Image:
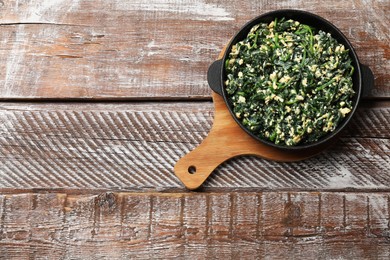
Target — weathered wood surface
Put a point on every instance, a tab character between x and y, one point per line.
135	146
145	49
63	165
245	225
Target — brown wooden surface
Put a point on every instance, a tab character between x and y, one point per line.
230	225
83	176
136	145
150	48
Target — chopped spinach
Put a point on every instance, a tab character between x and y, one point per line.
288	82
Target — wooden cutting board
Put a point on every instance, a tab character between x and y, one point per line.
226	140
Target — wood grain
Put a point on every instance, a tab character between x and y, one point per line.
249	225
227	140
135	146
64	166
84	49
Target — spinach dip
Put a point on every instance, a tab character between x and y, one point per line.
289	83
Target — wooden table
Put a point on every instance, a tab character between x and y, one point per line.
99	99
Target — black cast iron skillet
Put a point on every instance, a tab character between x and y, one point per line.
363	79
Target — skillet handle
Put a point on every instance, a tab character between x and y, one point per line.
367	81
214	76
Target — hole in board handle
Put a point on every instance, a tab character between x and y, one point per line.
191	169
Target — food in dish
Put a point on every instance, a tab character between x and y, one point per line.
288	82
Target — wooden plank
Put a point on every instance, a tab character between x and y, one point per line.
145	225
135	146
246	225
166	232
30	219
136	225
378	213
196	225
151	49
220	212
333	207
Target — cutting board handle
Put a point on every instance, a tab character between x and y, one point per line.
195	167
